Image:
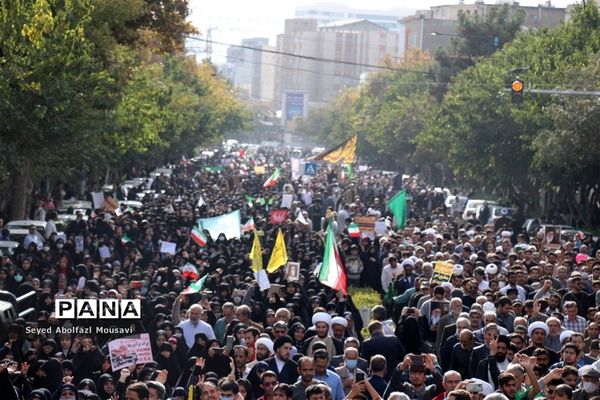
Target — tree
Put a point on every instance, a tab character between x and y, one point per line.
78	97
567	154
487	141
477	36
50	88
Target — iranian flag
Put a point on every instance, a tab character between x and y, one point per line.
272	181
332	272
125	239
199	237
353	230
195	287
248	226
189	271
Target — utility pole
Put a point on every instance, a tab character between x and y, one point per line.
208	40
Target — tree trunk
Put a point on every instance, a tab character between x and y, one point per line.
18	199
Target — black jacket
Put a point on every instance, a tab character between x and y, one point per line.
488	367
388	346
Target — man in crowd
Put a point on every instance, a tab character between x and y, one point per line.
209	320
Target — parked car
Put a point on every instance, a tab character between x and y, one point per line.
567	232
161	171
498	212
125	204
471	208
18	229
451	200
74	206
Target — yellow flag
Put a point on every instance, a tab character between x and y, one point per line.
256	254
345	152
278	255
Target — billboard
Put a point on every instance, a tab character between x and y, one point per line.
295	104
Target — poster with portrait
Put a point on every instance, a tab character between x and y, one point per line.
552	236
437	310
292	271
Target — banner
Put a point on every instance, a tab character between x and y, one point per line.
98	200
366	225
297	168
442	272
129	351
259	169
345	152
227	224
277	217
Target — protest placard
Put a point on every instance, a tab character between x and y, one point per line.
168	247
129	351
442	272
381	228
98	200
366	225
286	200
292	271
104	252
277	217
552	236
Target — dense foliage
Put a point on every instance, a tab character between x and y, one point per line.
90	85
455	122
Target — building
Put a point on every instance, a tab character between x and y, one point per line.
357	46
326	13
244	66
427	30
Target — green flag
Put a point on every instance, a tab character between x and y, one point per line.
389	296
397	206
214	168
125	239
350	170
195	287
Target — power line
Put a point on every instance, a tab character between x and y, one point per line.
370	80
311	58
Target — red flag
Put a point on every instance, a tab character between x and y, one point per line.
277	217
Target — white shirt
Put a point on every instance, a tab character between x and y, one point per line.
522	293
483	285
190	330
280	364
387	275
35	239
50	229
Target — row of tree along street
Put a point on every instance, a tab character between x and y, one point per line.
450	117
88	85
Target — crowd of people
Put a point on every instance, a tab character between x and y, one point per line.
516	319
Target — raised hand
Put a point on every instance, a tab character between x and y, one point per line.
162	376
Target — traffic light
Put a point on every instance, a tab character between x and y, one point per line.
517	91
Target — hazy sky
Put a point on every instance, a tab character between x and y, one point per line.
234	20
